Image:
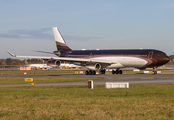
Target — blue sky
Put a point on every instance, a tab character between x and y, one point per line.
26	25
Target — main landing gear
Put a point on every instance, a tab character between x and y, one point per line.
93	72
117	71
102	71
90	72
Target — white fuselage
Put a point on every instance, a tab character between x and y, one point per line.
121	62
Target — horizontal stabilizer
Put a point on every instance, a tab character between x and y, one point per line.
55	53
43	52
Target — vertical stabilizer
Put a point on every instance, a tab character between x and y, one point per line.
60	43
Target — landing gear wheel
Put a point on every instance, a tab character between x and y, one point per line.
86	73
90	72
154	72
113	72
117	71
102	71
93	72
120	71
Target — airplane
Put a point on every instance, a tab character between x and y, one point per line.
39	66
100	60
67	66
47	66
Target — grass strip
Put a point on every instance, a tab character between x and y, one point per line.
144	101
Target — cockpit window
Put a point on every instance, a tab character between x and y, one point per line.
162	55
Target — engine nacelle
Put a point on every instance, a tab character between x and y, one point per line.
54	63
93	66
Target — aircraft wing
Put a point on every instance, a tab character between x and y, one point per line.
36	57
64	59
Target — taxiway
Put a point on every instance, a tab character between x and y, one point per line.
131	78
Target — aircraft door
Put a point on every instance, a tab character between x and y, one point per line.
150	55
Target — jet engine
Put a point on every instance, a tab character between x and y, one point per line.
54	63
93	66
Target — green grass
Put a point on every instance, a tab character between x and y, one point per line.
18	80
140	102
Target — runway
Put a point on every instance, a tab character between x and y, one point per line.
131	78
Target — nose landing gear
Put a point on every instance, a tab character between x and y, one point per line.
154	71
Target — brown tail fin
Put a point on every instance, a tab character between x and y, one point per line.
60	43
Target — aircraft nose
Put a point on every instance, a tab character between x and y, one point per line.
167	59
163	61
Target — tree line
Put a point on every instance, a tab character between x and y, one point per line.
10	61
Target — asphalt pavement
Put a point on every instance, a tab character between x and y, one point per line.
130	78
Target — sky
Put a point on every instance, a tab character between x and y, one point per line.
26	25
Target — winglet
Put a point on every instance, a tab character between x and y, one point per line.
11	54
